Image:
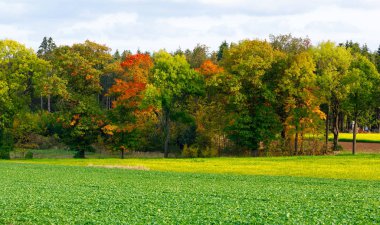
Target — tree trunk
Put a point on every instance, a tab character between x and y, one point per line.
42	103
255	149
336	136
327	130
122	153
296	143
283	133
301	147
354	135
80	154
341	121
48	98
335	113
166	133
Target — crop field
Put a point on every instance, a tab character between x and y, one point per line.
192	191
361	137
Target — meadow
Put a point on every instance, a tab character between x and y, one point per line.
360	137
284	190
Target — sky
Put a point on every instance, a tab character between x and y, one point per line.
150	25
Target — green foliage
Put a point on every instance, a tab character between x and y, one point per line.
364	87
174	78
23	131
190	152
249	96
46	48
29	155
332	69
197	56
247	63
289	44
248	131
209	152
195	152
20	70
174	81
224	46
6	143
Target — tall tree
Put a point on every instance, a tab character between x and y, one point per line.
53	85
301	102
197	56
210	112
223	47
289	44
251	100
81	67
20	71
377	59
364	89
171	83
293	81
46	48
332	68
128	90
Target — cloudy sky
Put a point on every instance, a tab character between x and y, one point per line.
150	25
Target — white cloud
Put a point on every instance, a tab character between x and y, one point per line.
101	23
12	9
223	2
14	32
155	24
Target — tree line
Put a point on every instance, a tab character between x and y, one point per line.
281	96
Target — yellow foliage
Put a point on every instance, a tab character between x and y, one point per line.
109	129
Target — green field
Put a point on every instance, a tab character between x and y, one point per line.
192	191
361	167
362	137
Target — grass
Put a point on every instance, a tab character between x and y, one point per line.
362	137
347	137
359	167
60	194
57	153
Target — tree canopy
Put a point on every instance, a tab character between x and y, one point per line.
253	97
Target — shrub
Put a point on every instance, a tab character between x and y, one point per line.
209	152
6	143
29	155
4	154
339	148
190	152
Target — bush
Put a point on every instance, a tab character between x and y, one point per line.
4	154
190	152
29	155
339	148
209	152
6	143
194	152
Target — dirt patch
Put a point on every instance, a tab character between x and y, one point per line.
126	167
362	147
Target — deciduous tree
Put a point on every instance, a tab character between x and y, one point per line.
172	82
332	69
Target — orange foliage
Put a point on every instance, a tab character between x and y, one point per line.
138	66
208	68
89	77
75	119
129	87
109	129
